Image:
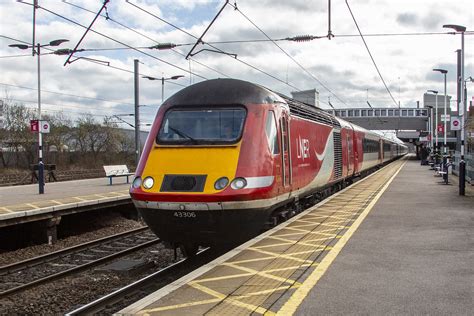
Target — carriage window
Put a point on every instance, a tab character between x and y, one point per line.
271	132
202	126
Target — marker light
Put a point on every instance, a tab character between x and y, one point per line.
148	182
238	183
137	182
221	183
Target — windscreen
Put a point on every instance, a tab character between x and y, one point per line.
202	126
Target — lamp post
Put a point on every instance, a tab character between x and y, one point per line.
430	125
40	135
163	79
436	121
444	72
462	164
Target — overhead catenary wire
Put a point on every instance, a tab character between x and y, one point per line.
117	41
370	54
287	54
195	37
108	18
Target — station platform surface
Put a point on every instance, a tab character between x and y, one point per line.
396	242
23	203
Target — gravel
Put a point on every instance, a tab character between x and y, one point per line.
65	295
113	225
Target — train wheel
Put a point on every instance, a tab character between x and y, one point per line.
189	250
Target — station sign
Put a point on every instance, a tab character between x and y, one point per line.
448	117
44	127
34	126
440	128
455	123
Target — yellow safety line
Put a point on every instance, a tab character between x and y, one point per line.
57	202
32	205
299	295
78	198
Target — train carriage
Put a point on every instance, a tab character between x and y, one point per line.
224	155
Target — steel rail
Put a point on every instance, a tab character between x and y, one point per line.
117	296
43	258
81	267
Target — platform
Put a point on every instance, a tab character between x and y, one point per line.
396	242
20	204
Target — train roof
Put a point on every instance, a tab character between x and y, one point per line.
224	91
234	91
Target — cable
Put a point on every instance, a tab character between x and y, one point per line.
144	35
289	56
370	54
218	49
117	41
66	94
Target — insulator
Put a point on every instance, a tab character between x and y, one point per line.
302	38
164	46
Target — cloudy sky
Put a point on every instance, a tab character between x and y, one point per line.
101	82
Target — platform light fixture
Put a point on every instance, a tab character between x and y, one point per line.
436	120
462	164
444	72
38	47
163	79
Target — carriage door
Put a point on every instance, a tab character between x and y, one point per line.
350	153
285	153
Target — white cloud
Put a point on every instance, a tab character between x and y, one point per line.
342	64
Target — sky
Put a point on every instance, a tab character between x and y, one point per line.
100	79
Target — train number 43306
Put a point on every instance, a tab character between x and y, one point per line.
185	214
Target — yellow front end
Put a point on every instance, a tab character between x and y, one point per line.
214	162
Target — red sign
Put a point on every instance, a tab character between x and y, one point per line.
34	125
440	128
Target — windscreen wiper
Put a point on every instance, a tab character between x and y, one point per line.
182	134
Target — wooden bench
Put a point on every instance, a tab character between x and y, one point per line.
117	171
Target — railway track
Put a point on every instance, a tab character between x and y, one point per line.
113	302
29	273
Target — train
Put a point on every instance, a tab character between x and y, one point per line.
225	158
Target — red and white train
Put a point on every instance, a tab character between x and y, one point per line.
225	155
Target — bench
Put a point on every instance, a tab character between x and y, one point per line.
117	171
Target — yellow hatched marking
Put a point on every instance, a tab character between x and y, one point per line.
276	245
302	231
184	305
78	198
3	208
295	300
240	275
293	242
253	260
32	205
57	202
256	272
228	299
101	196
290	256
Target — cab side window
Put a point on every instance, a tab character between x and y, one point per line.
271	132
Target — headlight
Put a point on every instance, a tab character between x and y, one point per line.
137	182
238	183
148	182
221	183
